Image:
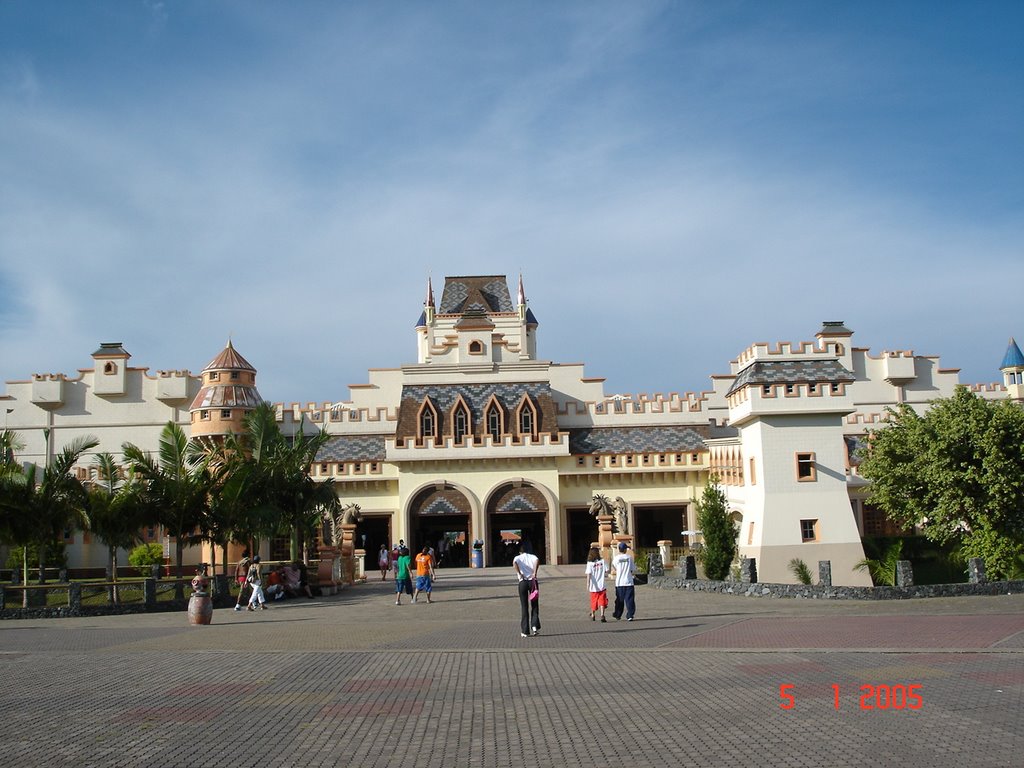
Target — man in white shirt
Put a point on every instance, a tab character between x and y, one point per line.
526	566
623	569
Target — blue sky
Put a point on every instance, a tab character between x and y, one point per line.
674	180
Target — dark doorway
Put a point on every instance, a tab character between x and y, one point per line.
509	530
377	530
452	529
583	530
659	523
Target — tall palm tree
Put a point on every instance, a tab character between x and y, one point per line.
117	512
38	506
177	488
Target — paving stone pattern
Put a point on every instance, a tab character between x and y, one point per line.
355	680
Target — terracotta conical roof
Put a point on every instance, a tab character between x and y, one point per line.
229	360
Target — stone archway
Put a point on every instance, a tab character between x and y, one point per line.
517	512
442	511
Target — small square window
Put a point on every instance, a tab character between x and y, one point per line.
205	415
806	471
766	390
234	375
808	530
225	414
214	376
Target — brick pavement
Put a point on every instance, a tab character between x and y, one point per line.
355	680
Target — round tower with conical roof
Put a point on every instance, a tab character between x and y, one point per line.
228	393
1013	371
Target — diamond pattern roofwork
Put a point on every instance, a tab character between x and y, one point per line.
477	396
1013	357
352	448
791	372
488	293
668	439
229	359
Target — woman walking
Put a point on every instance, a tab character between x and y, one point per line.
526	566
256	582
384	561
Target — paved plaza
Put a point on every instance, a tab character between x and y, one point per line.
354	680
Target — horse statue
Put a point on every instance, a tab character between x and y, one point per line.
621	518
349	514
600	506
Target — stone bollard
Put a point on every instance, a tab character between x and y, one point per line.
825	573
149	593
904	574
687	567
75	597
655	566
976	571
748	570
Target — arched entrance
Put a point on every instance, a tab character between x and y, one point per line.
517	513
441	513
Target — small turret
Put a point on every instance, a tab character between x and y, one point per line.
227	395
1013	371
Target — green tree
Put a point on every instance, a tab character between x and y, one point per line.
117	512
36	507
177	491
955	473
718	531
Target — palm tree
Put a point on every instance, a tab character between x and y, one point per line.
883	570
39	506
177	488
117	512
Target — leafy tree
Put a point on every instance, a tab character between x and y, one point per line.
38	506
718	531
956	473
117	511
177	488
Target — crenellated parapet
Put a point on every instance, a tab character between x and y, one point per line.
336	413
763	350
543	445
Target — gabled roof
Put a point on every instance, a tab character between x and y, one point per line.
486	293
1013	357
229	360
791	372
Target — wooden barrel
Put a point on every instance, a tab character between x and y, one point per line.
200	608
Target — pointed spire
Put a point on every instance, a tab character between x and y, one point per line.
522	293
430	294
1013	357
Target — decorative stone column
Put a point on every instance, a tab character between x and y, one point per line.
976	571
687	567
605	537
825	573
655	565
360	565
348	552
748	570
904	574
328	574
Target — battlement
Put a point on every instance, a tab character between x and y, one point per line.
480	447
639	404
335	413
782	350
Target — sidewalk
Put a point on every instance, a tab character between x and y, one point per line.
354	679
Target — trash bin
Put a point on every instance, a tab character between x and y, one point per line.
478	558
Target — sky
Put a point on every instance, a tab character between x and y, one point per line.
673	180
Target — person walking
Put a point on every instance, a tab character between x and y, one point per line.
256	582
425	573
595	584
384	561
527	566
241	571
402	580
623	568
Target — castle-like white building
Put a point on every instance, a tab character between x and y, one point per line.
480	439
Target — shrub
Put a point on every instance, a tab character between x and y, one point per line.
145	556
718	530
642	561
800	570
